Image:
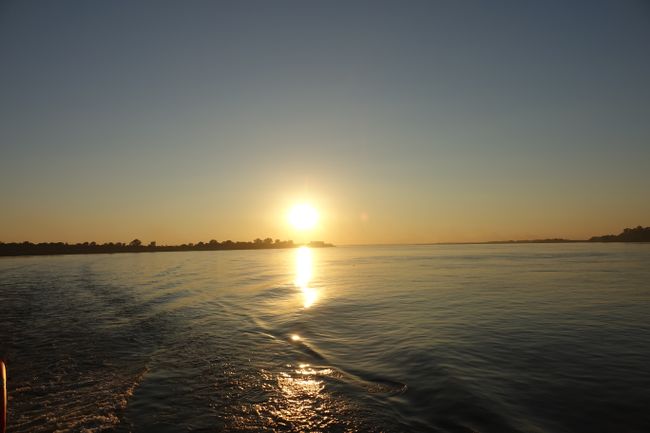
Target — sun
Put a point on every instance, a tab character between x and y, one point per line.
303	217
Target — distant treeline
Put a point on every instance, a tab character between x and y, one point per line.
534	241
136	246
638	234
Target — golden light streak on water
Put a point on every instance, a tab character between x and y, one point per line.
304	273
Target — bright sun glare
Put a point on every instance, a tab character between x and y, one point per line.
303	217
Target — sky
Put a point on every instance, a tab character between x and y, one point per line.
400	121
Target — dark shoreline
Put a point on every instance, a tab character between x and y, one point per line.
56	249
528	242
628	235
638	234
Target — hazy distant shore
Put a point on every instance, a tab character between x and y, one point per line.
525	241
637	234
135	246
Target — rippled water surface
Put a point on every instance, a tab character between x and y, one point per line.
462	338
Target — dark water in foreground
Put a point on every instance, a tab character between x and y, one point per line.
485	338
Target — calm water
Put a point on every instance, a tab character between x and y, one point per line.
478	338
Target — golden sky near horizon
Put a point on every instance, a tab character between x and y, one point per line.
342	219
426	123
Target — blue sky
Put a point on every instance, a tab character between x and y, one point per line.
410	121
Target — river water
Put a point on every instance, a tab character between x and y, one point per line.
456	338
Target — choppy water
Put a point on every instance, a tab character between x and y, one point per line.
476	338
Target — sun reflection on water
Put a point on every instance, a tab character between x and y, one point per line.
301	400
304	272
304	402
297	400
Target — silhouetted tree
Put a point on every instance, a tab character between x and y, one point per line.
29	248
638	234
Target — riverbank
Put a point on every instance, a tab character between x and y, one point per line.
60	248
